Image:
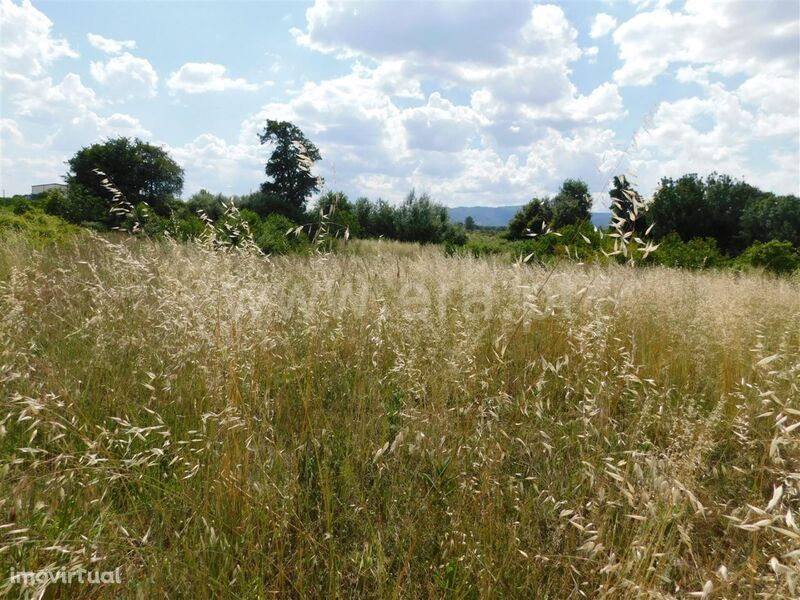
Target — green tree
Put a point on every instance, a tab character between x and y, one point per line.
289	167
771	218
469	223
141	171
572	204
363	212
382	220
212	205
697	208
420	219
77	205
532	219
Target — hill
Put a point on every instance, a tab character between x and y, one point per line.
499	216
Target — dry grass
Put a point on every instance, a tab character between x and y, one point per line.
395	423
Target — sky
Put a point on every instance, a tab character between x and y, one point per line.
476	103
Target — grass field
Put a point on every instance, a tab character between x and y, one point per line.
391	422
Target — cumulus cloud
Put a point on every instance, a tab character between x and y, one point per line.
730	37
602	25
42	99
212	163
715	132
108	45
126	75
89	127
27	44
197	78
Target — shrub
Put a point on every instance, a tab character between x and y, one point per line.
77	205
697	253
274	236
774	256
37	227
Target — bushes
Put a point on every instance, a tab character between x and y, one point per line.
77	205
774	256
697	253
37	227
273	236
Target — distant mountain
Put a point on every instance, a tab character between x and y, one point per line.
499	216
488	216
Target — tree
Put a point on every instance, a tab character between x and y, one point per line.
364	214
382	220
531	219
419	219
77	205
469	223
572	204
141	171
289	166
771	218
693	207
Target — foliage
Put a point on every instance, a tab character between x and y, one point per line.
275	235
38	228
213	206
695	208
469	223
775	256
697	253
771	217
289	167
572	204
140	171
77	205
531	220
378	220
420	219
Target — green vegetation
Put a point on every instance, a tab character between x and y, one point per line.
694	223
29	223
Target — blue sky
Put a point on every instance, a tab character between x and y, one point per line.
478	103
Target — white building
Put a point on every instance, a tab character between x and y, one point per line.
46	187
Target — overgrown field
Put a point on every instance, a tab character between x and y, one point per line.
394	423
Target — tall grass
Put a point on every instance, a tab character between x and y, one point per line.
394	423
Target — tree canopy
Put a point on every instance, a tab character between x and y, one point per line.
572	204
289	168
141	171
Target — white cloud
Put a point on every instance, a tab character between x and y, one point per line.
602	25
88	128
730	37
9	132
433	30
716	132
126	75
196	78
41	99
27	45
108	45
212	163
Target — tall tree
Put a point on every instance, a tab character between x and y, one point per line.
141	171
572	204
289	167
